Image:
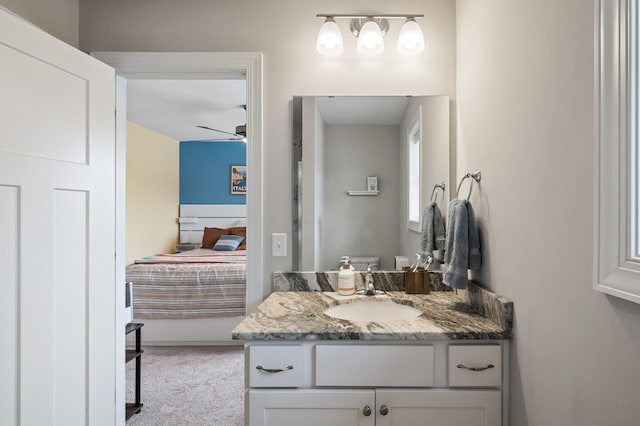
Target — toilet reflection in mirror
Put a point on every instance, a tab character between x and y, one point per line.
341	141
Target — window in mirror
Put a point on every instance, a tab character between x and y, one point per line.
617	233
413	161
633	129
634	172
635	195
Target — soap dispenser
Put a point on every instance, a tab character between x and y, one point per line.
346	277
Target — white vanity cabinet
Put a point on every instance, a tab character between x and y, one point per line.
381	383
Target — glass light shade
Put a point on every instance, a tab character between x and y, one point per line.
329	39
370	40
411	39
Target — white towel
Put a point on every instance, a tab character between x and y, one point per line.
433	233
462	247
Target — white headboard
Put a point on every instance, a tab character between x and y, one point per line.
195	217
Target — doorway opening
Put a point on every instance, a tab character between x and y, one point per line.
189	66
183	162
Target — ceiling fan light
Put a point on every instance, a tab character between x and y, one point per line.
370	39
329	41
410	39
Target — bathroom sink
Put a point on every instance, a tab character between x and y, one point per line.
370	311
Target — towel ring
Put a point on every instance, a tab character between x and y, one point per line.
476	176
434	191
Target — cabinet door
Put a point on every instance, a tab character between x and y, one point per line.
438	407
311	407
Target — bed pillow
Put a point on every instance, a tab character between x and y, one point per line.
228	242
211	235
242	231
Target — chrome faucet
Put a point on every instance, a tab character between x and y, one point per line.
369	287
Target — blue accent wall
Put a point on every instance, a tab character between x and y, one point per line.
205	172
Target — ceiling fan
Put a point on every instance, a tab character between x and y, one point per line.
240	133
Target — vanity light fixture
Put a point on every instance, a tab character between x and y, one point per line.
370	31
329	40
410	39
370	36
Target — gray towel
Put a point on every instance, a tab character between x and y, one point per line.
475	257
462	247
433	235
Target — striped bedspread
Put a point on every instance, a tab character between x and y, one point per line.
197	256
189	285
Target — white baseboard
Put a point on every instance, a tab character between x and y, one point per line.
183	332
209	343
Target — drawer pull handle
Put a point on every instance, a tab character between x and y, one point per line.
274	370
384	410
366	411
476	368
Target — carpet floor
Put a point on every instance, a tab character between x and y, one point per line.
193	385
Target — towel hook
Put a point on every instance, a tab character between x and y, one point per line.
476	176
434	191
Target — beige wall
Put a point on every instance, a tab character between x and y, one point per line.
59	18
152	192
526	118
285	31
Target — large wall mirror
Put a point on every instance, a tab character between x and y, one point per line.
355	175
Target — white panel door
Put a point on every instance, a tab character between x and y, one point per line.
57	232
311	407
438	407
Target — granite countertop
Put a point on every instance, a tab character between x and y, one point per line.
299	315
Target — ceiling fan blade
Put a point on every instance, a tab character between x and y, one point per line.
241	130
221	131
216	140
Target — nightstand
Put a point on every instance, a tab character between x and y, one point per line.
131	354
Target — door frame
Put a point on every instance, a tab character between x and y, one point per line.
188	66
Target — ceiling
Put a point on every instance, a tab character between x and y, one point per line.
175	107
363	110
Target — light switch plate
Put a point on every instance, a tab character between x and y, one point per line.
278	244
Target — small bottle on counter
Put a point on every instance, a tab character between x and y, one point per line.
346	277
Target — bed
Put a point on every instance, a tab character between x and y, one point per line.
200	283
197	296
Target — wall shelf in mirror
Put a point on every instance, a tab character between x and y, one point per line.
352	193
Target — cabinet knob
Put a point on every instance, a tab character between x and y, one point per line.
384	410
366	411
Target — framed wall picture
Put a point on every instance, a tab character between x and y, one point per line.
238	180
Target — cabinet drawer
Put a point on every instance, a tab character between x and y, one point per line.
475	366
374	365
275	366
